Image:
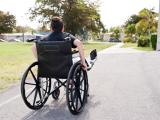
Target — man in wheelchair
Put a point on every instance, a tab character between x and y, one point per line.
58	34
55	64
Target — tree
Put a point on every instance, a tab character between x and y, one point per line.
76	14
130	30
143	24
7	22
23	29
116	32
149	17
43	28
133	19
20	29
129	27
142	27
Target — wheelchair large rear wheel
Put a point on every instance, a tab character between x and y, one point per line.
34	90
77	89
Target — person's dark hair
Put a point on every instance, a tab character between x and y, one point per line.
56	24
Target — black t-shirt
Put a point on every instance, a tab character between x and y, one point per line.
61	36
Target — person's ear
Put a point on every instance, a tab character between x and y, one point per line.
63	28
52	29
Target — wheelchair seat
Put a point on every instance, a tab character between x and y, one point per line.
54	58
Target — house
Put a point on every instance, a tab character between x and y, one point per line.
106	36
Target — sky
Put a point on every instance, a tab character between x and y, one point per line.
113	12
116	12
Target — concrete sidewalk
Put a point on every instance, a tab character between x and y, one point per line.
117	49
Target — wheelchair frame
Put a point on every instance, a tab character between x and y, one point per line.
35	90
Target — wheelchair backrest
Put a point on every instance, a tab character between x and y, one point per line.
54	58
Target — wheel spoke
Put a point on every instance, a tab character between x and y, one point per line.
73	99
74	96
35	98
39	92
79	96
81	80
35	89
31	92
33	76
30	83
76	102
44	90
70	90
81	89
73	81
76	89
79	76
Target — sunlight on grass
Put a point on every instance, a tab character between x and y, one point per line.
14	59
134	46
98	46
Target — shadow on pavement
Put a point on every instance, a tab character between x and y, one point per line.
58	110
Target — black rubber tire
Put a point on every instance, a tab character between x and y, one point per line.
76	89
41	88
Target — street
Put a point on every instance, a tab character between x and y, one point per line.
124	85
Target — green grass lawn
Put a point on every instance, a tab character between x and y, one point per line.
134	46
15	58
99	46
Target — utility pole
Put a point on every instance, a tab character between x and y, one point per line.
158	31
23	34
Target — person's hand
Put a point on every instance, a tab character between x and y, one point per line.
84	66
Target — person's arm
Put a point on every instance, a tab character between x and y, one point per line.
79	45
34	50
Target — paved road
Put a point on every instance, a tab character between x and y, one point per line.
124	85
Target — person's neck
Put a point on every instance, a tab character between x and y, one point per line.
57	31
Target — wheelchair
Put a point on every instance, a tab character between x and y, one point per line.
56	62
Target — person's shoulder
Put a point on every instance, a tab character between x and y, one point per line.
49	36
66	33
69	35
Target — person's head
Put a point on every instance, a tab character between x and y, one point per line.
57	24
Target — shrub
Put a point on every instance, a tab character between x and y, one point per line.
154	41
143	41
127	39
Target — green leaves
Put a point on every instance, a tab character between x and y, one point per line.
76	14
144	23
7	22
